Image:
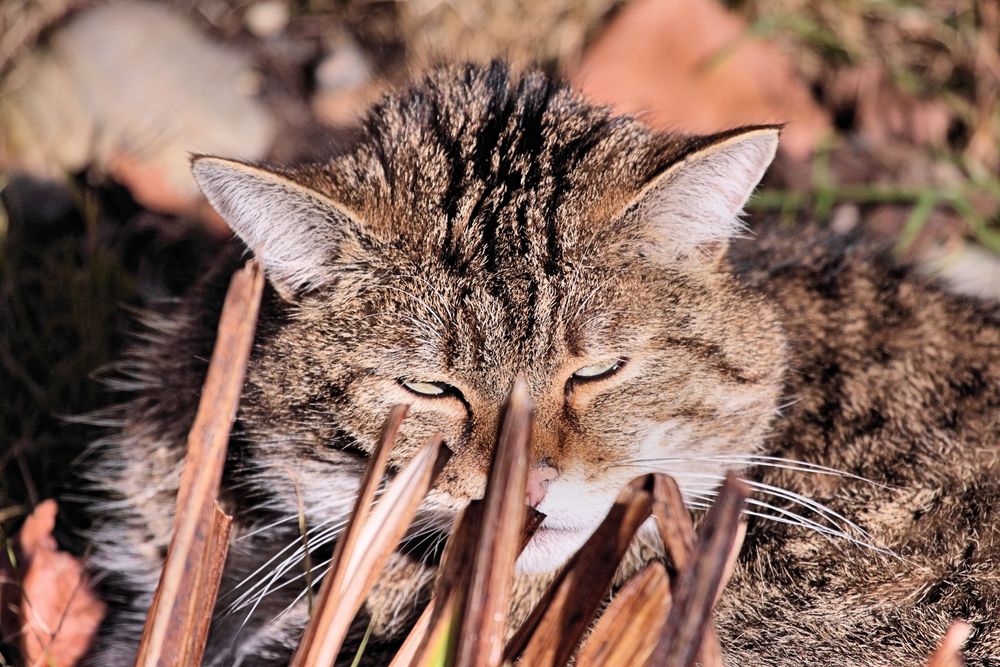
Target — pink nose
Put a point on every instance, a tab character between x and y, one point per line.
539	479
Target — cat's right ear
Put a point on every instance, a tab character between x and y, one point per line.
294	231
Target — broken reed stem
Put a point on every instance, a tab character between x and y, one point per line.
178	621
698	584
208	580
309	645
673	521
551	632
417	639
630	626
439	640
370	537
464	622
487	593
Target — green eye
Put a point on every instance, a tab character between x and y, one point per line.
426	388
597	371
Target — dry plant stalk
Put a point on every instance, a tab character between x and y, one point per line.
551	632
418	637
698	584
178	621
484	608
629	628
438	643
470	604
673	521
371	535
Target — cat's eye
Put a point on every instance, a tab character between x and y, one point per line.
598	371
428	389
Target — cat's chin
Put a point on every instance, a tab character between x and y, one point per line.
549	549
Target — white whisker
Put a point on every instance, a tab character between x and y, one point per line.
704	491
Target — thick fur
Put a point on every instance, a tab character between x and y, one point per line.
485	227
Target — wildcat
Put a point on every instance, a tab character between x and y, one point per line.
486	225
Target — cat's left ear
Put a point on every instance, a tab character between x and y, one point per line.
693	208
295	231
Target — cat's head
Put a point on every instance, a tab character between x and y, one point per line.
485	228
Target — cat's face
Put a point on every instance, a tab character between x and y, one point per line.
482	231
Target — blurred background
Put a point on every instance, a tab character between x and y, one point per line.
891	111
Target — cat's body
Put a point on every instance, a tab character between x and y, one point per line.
485	228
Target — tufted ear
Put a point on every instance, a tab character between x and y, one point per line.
694	207
294	231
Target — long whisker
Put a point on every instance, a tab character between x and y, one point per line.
697	497
759	460
313	532
806	502
835	530
316	542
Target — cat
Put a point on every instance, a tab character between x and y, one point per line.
487	224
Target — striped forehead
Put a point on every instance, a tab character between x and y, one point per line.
485	170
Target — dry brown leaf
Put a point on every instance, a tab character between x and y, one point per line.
60	614
627	631
691	65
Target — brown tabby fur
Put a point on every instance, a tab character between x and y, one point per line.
485	226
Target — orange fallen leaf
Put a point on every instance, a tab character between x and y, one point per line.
60	614
691	65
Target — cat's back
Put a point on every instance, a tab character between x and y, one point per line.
874	342
895	382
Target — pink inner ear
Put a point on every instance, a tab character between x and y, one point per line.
698	202
292	230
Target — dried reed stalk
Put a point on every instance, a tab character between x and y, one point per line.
673	521
439	642
470	604
411	649
368	541
551	632
629	628
698	584
483	610
178	622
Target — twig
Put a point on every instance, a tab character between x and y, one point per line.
551	632
178	621
629	628
697	585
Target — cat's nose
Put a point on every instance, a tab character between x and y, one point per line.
539	479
